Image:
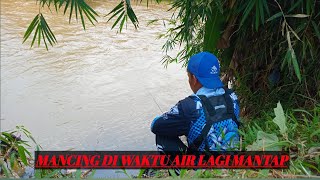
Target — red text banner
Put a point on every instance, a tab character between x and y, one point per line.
151	159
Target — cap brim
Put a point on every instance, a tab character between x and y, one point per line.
212	82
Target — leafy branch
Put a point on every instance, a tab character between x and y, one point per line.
81	10
123	11
41	28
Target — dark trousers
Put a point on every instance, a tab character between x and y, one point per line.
167	145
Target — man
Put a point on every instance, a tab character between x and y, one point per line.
209	118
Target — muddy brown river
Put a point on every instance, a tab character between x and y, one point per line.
96	89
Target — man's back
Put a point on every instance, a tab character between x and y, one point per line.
188	117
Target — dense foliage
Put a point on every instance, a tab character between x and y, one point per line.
268	49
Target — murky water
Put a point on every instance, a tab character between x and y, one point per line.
94	90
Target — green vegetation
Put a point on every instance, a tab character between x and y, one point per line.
15	157
267	49
295	131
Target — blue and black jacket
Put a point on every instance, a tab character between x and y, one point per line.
191	117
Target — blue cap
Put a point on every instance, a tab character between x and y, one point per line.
205	66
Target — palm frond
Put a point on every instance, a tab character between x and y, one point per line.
41	30
123	11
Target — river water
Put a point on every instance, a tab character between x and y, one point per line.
96	89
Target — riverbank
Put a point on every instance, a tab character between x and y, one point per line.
299	135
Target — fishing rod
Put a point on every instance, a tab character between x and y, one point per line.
154	100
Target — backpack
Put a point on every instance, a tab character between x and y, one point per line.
218	112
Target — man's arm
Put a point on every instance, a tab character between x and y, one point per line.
176	121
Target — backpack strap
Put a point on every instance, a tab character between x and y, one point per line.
210	114
229	103
211	111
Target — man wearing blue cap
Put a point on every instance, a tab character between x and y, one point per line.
209	118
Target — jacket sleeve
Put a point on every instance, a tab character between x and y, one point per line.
176	121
